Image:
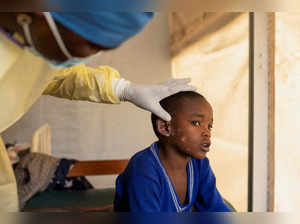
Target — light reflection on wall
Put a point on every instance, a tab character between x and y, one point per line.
287	109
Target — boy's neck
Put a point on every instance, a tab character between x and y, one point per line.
171	157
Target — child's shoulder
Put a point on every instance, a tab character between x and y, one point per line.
142	162
142	157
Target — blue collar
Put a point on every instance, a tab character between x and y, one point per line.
178	206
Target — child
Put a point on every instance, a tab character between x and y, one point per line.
173	174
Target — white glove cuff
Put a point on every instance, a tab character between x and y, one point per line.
119	86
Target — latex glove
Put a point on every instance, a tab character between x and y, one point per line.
148	96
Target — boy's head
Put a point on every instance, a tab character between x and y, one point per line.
189	130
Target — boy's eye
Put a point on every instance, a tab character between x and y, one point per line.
196	123
210	127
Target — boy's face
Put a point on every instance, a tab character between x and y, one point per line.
190	128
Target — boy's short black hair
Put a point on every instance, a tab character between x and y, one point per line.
171	103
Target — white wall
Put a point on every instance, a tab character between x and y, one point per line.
287	109
89	131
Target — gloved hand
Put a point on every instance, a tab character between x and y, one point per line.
148	96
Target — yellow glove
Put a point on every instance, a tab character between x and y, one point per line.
8	186
84	83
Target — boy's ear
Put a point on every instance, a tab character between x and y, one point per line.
163	127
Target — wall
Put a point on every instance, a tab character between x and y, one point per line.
83	130
287	120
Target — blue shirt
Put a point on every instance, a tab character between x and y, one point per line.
144	186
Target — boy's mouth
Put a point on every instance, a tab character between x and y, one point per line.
205	147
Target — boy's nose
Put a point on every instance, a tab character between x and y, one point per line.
206	132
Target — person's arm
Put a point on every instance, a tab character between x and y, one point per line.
137	194
209	198
84	83
104	85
